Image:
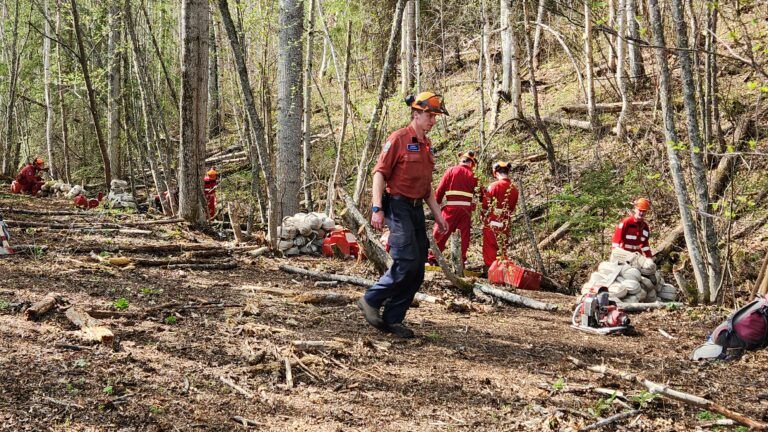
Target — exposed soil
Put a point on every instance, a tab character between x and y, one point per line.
497	367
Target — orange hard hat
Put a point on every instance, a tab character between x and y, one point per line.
427	101
468	155
39	162
501	164
212	174
643	204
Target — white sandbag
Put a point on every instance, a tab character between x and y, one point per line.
621	256
292	251
650	296
647	284
284	245
667	292
75	191
318	242
617	290
300	241
630	299
596	279
307	250
313	221
645	264
65	187
632	286
641	295
607	268
586	288
288	232
667	296
328	224
631	273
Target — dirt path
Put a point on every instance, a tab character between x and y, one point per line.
496	368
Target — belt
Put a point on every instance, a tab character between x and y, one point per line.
413	202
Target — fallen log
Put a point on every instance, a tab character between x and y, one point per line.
226	265
670	393
515	298
323	297
641	307
563	229
46	212
90	327
610	420
269	290
301	345
572	123
154	249
258	252
154	222
148	262
38	309
56	226
326	283
608	107
369	240
463	286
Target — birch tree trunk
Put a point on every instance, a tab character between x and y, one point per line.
486	51
373	125
712	70
699	171
113	88
48	100
589	62
62	106
345	114
256	126
91	94
214	99
289	106
537	32
406	49
621	46
417	45
636	64
13	78
510	73
612	39
678	179
195	18
481	58
307	123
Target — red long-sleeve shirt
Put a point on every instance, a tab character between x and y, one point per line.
502	195
457	187
632	235
28	176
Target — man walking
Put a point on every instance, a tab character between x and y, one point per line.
404	172
457	187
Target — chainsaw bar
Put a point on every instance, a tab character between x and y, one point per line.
604	330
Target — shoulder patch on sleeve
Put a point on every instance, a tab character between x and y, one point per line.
387	145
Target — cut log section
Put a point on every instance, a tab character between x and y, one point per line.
39	308
301	345
369	240
515	298
90	327
610	107
323	297
463	286
573	123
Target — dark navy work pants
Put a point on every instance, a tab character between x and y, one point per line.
408	247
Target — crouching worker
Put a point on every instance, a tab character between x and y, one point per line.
28	181
457	187
745	330
209	190
404	169
499	202
633	234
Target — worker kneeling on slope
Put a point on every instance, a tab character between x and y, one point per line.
28	181
499	202
209	190
458	188
633	234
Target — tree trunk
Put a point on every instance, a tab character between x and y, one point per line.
289	106
697	150
417	45
113	86
678	179
62	106
621	46
537	32
257	129
48	100
510	75
193	110
159	54
636	65
406	49
589	62
13	79
91	94
486	50
612	39
382	94
214	99
307	123
481	58
331	195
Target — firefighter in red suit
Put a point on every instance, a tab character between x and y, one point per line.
209	190
499	202
632	234
28	180
458	188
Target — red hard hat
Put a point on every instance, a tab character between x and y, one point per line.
39	162
643	204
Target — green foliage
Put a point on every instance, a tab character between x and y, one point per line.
601	405
644	398
708	416
109	390
4	305
559	384
80	363
147	291
171	320
433	336
121	304
155	409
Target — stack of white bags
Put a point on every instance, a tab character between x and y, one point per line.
631	278
119	197
303	233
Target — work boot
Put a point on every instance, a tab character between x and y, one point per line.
371	314
400	330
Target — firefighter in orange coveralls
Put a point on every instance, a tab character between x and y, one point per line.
458	188
28	180
499	202
632	234
209	190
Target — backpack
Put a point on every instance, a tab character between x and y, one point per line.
747	328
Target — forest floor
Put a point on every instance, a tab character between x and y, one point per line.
224	351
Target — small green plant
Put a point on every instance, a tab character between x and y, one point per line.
433	336
147	291
171	320
708	416
4	305
121	303
80	363
559	384
104	254
601	405
109	390
672	307
71	389
740	429
154	409
644	398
